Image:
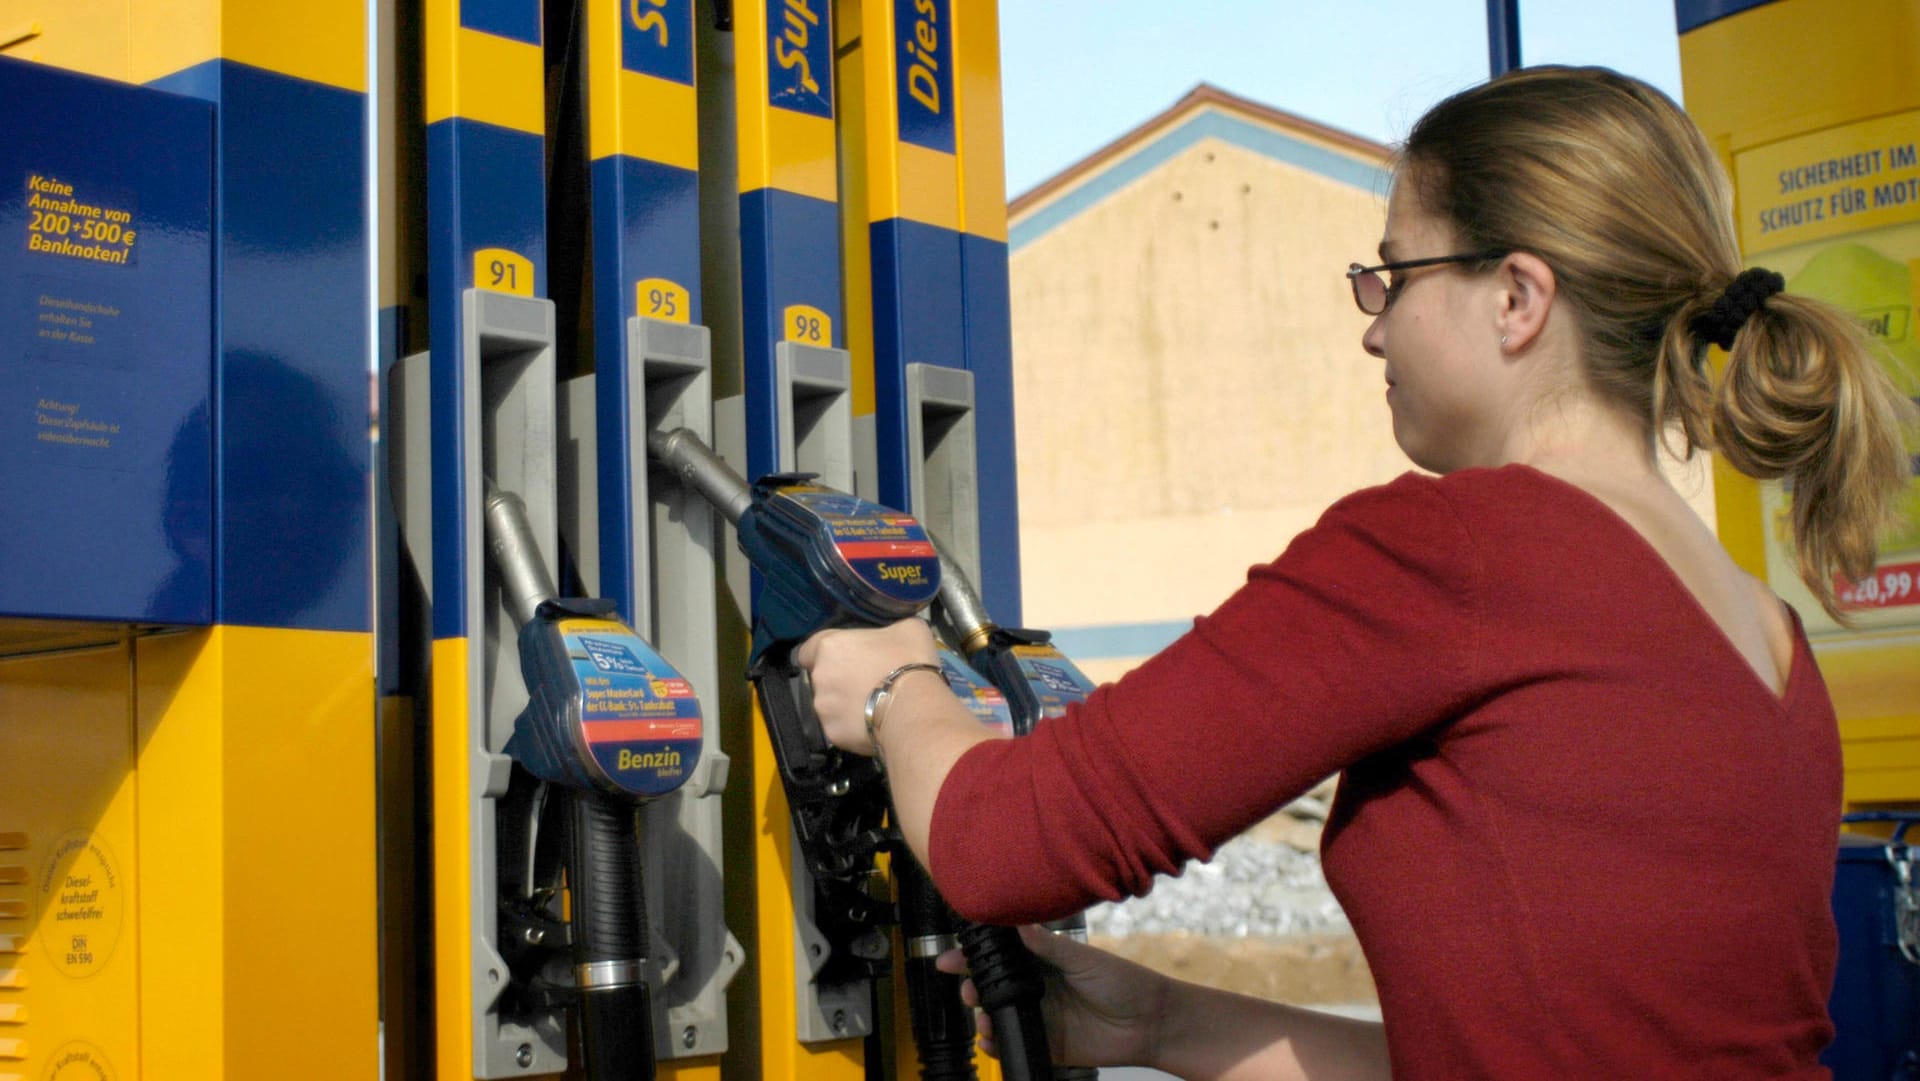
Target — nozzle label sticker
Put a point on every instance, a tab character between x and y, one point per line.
639	717
887	550
1056	681
608	656
981	698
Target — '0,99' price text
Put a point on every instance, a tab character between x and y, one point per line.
1888	587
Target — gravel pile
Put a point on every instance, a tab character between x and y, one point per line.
1252	888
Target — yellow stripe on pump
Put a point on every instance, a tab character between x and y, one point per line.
784	58
475	75
641	83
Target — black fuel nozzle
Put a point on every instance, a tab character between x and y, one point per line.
1039	682
611	723
942	1025
827	558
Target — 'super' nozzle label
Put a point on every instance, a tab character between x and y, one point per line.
886	550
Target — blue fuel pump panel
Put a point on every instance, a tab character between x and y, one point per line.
106	327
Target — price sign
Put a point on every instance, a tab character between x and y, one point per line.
1895	585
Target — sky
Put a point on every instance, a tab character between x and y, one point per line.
1077	74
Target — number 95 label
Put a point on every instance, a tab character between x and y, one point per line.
659	298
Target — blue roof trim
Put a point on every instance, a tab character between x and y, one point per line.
1112	640
1209	123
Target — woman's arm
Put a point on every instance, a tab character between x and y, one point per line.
1209	1033
1361	636
1104	1010
922	728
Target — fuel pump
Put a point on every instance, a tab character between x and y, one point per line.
827	558
609	723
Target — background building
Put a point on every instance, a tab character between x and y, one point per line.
1190	389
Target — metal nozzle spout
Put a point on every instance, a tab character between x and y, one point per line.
698	467
515	552
959	604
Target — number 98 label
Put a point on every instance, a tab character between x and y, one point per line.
807	325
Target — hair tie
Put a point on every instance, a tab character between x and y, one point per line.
1743	297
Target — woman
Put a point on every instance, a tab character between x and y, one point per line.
1590	775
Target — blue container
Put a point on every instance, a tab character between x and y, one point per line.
1876	990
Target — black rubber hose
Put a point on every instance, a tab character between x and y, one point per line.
942	1024
1010	985
610	941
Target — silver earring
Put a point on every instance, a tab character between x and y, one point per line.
1503	339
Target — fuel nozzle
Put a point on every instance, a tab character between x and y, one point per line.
511	544
699	468
611	723
958	610
1038	681
826	557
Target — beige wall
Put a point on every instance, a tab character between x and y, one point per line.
1189	386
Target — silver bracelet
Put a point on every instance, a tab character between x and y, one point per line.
877	701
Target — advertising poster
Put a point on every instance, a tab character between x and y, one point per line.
1838	213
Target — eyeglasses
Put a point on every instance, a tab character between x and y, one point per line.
1373	295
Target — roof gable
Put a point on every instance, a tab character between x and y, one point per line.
1205	112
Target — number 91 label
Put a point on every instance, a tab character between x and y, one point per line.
503	271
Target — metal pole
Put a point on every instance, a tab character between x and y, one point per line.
1503	36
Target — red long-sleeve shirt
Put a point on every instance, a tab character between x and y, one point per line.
1576	835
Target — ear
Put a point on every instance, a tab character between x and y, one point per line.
1527	292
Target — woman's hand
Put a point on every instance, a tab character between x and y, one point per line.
846	664
1101	1010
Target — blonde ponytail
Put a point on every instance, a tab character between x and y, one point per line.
1802	398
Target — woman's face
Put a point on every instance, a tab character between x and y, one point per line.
1437	336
